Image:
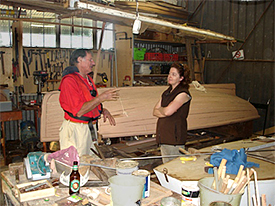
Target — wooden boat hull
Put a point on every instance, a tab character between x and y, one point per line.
133	111
216	107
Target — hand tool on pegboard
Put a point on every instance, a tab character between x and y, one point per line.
15	63
64	55
51	71
41	61
61	66
15	70
26	61
36	63
47	64
44	61
30	52
2	61
25	71
52	53
56	56
60	54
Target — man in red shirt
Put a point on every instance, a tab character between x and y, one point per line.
82	104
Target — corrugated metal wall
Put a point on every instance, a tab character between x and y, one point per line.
254	77
12	128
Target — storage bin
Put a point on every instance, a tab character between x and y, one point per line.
139	53
170	57
154	56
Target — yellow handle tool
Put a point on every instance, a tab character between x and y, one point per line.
192	158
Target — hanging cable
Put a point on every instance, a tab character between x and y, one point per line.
137	8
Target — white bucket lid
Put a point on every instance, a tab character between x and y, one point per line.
190	186
127	164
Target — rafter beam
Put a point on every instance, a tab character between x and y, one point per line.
114	13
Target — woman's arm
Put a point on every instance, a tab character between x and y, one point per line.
156	111
172	107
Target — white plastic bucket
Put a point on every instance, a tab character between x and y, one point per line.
126	190
209	196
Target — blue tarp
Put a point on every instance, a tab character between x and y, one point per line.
234	159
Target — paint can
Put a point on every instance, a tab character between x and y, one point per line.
126	167
190	193
169	201
145	174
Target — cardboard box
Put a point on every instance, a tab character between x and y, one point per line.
32	195
163	37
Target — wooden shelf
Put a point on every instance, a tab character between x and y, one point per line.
152	62
179	44
151	75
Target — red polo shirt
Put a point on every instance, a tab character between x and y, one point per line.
72	96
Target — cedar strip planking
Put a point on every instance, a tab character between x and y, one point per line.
214	108
133	111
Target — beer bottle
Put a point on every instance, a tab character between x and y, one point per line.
74	185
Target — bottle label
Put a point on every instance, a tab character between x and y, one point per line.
75	185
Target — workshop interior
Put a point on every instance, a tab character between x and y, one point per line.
229	154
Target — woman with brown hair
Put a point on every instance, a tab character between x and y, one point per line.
172	111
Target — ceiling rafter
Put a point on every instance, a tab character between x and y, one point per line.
96	11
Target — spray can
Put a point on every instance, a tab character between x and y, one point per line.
190	193
146	175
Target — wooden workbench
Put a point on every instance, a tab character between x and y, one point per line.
8	184
194	170
179	173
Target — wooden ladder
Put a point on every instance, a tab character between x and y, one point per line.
196	61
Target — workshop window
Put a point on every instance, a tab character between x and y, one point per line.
44	35
107	41
5	33
50	36
27	37
76	37
39	35
36	34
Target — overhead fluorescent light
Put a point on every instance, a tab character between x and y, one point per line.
41	25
